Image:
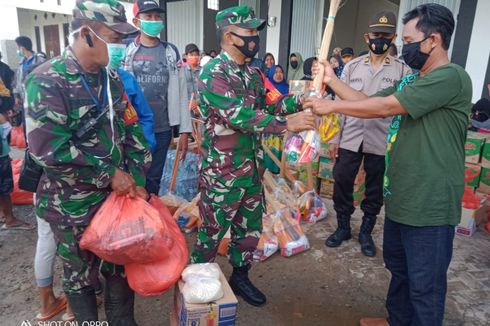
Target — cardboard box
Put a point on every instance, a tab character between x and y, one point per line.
218	313
324	150
325	170
326	188
473	146
484	186
485	157
297	87
470	219
473	170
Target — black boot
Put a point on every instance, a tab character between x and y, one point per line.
84	305
365	239
119	302
341	234
241	285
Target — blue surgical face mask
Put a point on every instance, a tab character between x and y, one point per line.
152	28
20	53
116	53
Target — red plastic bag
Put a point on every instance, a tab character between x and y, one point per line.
19	196
126	230
156	278
14	135
21	139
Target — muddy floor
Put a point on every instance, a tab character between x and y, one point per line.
322	286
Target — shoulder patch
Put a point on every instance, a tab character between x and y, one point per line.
130	115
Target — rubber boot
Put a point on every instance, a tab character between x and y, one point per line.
119	302
84	306
241	285
365	239
341	234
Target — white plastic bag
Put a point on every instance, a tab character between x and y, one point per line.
199	289
205	270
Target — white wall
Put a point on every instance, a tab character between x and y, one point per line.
184	20
407	5
476	63
274	32
27	22
48	5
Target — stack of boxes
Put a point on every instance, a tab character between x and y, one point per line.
325	175
477	161
477	172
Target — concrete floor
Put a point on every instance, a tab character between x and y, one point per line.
322	286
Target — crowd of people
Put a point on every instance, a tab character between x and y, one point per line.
101	117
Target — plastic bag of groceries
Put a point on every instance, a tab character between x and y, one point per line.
289	233
173	202
126	230
268	243
303	147
299	188
329	127
187	215
157	277
311	207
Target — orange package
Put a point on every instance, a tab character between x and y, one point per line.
127	230
157	277
289	233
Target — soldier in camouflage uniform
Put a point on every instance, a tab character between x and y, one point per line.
233	97
83	164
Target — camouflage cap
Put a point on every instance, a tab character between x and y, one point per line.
241	16
109	12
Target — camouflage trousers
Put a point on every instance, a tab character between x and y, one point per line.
81	267
238	208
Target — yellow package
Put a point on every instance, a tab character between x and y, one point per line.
329	127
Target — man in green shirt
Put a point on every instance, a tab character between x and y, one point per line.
424	178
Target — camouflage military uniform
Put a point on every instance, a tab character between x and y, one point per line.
78	171
231	191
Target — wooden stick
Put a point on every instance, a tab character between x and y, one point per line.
175	169
326	40
273	157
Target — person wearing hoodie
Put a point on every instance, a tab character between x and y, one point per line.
295	69
157	67
307	68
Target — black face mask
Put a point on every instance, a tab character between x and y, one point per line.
379	45
413	57
249	53
294	64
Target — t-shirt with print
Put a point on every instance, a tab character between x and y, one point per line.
151	70
426	169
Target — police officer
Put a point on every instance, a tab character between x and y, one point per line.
233	105
362	139
84	163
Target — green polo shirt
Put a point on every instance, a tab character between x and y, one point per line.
426	162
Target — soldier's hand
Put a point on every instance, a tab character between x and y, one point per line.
141	192
328	72
122	183
333	151
183	145
319	106
301	121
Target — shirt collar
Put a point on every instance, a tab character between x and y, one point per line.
235	67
